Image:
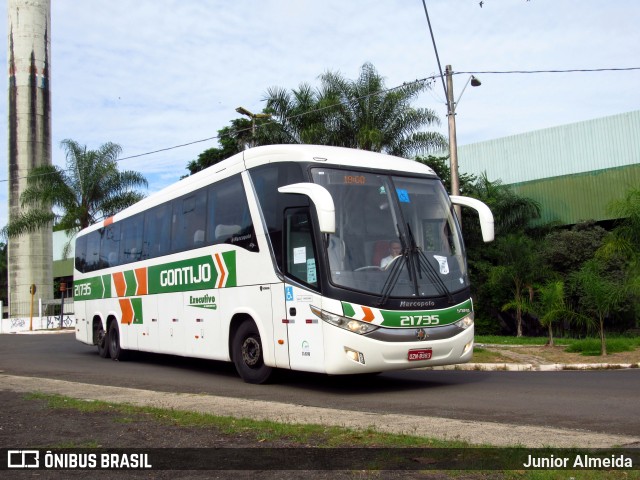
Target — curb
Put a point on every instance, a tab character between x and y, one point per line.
530	367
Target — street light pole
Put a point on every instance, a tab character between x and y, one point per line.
453	141
252	116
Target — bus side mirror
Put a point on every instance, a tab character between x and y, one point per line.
321	198
486	217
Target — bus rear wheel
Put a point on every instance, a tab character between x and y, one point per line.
115	350
248	355
102	341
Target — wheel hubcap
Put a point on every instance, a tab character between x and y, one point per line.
251	352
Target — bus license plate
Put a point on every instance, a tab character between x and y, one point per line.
416	355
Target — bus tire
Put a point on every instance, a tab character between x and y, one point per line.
115	350
248	355
102	340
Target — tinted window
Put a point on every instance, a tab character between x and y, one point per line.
131	243
93	251
81	253
266	180
189	221
301	254
110	246
229	219
157	231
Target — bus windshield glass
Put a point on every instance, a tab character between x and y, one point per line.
396	236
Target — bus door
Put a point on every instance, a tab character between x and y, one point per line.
306	347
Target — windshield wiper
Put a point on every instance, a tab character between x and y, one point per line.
394	274
431	272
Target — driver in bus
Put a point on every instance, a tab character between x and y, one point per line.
395	249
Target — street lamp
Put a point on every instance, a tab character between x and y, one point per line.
252	116
453	142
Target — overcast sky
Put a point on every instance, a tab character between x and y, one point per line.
152	74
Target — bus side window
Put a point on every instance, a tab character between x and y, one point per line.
131	232
81	254
300	252
229	217
157	231
93	251
110	246
189	221
266	180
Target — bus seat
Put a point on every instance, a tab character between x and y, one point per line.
198	238
380	250
224	231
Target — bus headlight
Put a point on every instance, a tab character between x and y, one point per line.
465	322
350	324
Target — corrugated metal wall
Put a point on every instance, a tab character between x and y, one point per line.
574	170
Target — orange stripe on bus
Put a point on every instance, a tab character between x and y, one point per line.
141	277
127	310
221	268
121	285
108	221
368	314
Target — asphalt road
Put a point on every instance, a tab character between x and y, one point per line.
599	401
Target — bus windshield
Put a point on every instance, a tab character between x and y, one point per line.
395	236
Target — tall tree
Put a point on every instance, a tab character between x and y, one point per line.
361	113
90	188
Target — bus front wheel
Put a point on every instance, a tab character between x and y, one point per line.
248	355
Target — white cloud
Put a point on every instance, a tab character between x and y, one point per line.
150	74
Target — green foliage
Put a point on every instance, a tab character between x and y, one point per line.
551	306
601	293
592	346
441	166
360	113
514	273
229	139
90	188
565	251
510	340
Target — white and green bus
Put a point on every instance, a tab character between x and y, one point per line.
300	257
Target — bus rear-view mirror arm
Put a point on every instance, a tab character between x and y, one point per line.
321	198
486	217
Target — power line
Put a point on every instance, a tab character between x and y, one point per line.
570	70
422	80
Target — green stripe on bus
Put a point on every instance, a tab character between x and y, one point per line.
136	303
132	283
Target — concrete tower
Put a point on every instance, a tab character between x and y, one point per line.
30	255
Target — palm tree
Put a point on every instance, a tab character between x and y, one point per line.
602	294
517	272
551	306
89	189
359	113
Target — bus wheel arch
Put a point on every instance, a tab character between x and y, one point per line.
247	351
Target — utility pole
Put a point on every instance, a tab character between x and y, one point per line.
453	142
